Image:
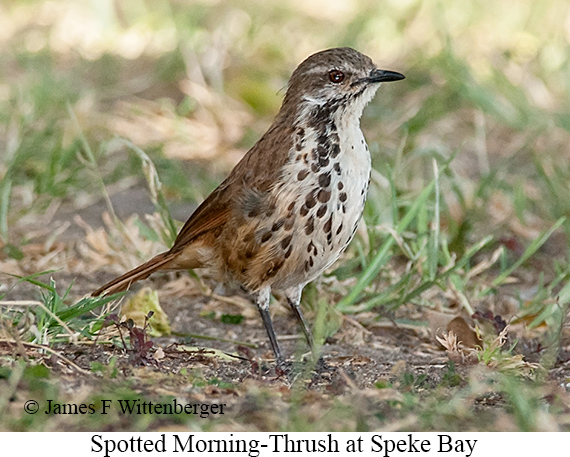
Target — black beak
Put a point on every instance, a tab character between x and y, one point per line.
378	76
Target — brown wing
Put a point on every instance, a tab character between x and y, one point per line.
212	213
244	191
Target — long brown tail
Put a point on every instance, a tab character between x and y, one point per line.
143	271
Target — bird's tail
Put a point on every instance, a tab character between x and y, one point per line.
143	271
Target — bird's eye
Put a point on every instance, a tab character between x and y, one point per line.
336	76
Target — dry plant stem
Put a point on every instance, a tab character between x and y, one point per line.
48	349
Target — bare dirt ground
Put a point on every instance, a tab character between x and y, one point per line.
368	371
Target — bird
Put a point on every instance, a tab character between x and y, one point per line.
292	204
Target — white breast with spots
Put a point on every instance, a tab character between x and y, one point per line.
330	192
355	164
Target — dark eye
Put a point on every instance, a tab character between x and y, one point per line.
336	76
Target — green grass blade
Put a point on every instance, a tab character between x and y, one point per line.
443	275
31	279
84	306
384	253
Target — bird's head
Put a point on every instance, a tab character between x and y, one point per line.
336	78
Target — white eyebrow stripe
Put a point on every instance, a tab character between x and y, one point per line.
313	100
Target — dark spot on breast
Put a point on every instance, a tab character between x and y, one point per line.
323	161
310	226
322	151
304	210
311	263
315	167
352	234
291	206
310	200
340	185
270	211
266	237
299	147
321	115
286	241
344	209
253	212
328	225
335	150
339	229
329	239
323	138
342	197
278	225
288	252
307	266
302	174
332	128
322	211
325	179
324	195
336	167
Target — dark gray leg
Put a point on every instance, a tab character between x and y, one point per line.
262	302
294	299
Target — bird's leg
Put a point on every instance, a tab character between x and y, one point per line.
262	302
294	300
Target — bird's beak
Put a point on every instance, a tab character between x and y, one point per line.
378	76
